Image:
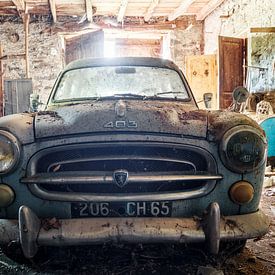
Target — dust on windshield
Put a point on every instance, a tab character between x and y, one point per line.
109	81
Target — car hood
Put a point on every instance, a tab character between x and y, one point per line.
161	117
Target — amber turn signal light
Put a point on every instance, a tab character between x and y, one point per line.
241	192
6	195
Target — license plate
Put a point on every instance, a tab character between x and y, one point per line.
119	209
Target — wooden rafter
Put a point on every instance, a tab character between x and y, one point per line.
267	29
150	10
207	9
20	5
26	28
89	10
180	10
122	9
53	10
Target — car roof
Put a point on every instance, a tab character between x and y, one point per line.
122	61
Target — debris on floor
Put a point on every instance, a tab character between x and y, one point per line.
207	270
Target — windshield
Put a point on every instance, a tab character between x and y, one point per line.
120	81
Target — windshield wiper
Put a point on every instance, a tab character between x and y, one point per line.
167	93
130	95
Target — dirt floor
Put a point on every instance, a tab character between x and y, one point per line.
258	257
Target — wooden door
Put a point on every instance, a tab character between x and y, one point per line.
201	73
17	96
231	71
84	46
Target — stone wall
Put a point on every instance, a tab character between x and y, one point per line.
186	42
45	49
234	18
44	54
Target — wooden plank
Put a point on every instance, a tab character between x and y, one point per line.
5	4
9	88
150	10
8	11
13	56
23	92
207	9
180	10
17	95
1	82
71	9
20	5
71	27
270	29
53	9
26	28
137	47
122	10
201	73
89	10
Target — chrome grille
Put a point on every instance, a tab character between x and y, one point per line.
85	172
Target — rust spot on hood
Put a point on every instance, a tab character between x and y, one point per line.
193	115
49	113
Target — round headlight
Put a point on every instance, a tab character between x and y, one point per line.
243	149
9	151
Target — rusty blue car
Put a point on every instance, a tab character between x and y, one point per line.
122	153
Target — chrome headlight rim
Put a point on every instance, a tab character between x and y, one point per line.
16	150
225	140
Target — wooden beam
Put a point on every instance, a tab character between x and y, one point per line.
73	27
89	10
1	83
5	4
150	10
122	9
207	9
268	29
53	9
185	4
8	11
20	5
13	56
26	28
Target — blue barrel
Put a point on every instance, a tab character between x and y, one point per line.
269	127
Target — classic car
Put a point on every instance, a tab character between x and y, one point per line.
122	153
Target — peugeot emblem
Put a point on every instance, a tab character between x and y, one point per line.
120	177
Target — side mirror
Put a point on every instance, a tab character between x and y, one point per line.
207	98
240	95
34	102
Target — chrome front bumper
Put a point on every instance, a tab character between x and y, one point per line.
31	232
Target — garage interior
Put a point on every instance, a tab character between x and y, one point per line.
218	44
